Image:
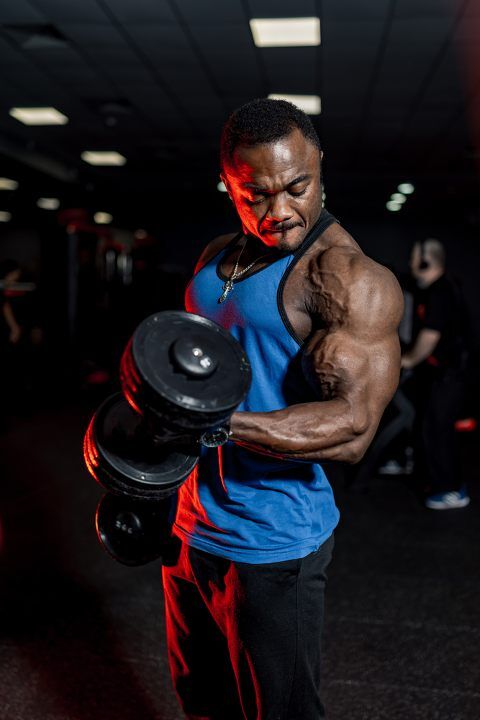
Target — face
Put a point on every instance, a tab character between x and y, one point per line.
276	189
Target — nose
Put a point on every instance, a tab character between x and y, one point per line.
279	210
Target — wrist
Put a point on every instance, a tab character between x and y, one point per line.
217	437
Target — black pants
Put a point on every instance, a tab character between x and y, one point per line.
438	404
244	640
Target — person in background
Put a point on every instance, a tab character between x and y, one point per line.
10	330
437	358
10	334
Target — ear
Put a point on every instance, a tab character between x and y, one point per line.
223	178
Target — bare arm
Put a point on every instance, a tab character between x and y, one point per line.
10	319
424	346
354	364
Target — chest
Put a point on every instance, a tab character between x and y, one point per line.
275	296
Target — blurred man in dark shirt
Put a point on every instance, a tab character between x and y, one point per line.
438	357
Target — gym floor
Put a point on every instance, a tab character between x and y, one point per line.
82	637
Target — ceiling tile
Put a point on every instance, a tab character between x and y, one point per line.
402	73
231	58
282	8
348	57
349	10
71	10
20	12
157	11
87	35
292	70
426	8
206	12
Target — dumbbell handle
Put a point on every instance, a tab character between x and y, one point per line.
165	433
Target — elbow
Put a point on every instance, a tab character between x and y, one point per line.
359	424
354	453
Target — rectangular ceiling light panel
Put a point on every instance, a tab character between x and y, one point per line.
285	32
310	104
38	116
8	184
103	157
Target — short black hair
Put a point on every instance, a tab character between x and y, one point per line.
263	121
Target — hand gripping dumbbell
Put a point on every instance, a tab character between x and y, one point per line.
182	376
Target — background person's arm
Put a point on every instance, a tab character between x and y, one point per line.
425	344
15	329
355	366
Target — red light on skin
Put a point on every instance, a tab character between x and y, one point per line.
466	425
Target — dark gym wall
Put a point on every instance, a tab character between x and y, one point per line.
22	243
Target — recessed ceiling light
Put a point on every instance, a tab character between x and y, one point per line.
38	116
310	104
102	218
285	32
103	157
406	188
5	216
393	206
48	203
8	184
398	197
221	187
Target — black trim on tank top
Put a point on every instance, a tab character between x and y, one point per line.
224	278
225	247
323	222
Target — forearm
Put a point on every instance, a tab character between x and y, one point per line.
424	346
309	431
14	327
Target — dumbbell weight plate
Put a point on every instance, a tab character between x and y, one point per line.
122	456
134	532
186	369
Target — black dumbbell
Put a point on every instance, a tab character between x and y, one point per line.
182	377
135	532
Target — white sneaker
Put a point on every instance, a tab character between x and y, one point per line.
448	500
391	467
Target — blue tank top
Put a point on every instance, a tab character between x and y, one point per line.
239	504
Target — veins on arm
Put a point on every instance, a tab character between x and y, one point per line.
352	362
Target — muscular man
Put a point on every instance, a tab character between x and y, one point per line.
318	320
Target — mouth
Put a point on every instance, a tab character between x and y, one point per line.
280	229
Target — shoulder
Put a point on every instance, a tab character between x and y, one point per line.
213	248
367	292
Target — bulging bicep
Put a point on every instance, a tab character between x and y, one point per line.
363	374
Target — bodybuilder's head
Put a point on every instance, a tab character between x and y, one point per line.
271	157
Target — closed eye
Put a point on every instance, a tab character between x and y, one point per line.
257	201
298	194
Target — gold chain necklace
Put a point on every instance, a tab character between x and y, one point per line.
229	284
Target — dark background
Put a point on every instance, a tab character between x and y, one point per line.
399	82
82	637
